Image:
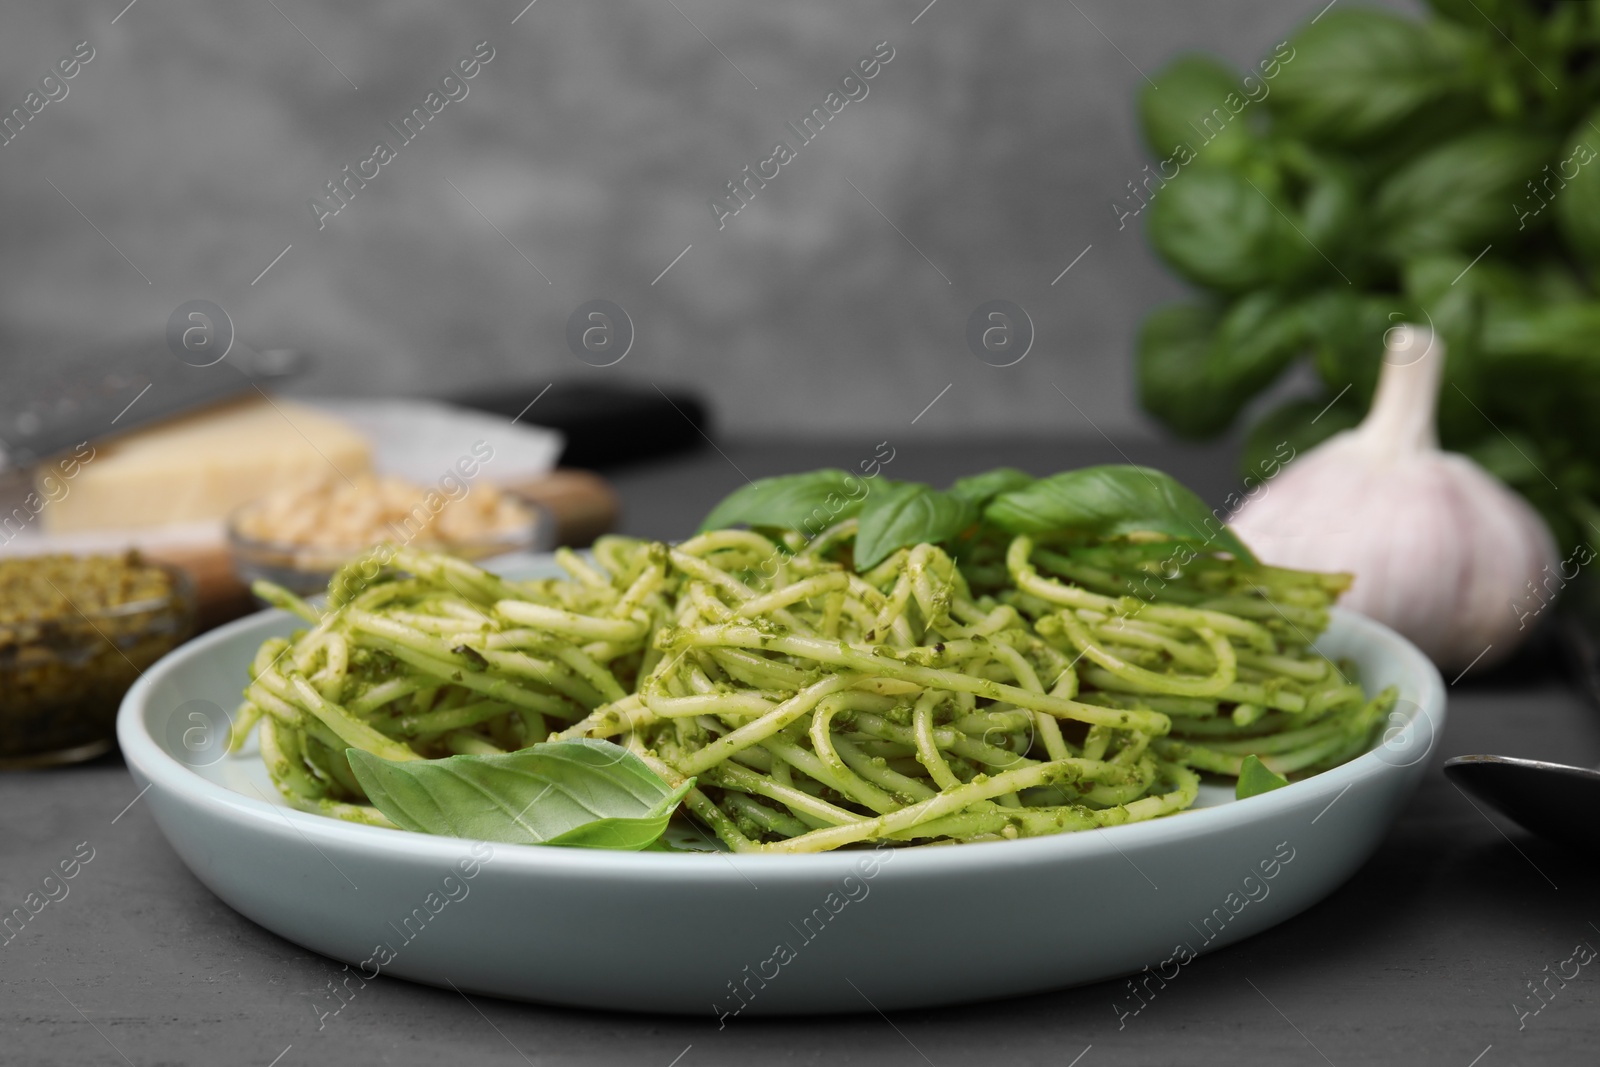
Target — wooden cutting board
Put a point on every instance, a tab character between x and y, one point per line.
583	504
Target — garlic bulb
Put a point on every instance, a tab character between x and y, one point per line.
1440	550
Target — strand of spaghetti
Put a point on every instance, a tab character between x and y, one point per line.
499	688
696	801
645	586
555	620
732	776
259	692
245	718
467	743
830	537
758	671
764	727
804	589
280	751
431	723
822	743
351	731
472	583
876	771
1029	580
277	596
703	544
574	565
1154	681
383	693
848	787
555	675
695	567
1280	696
867	661
774	822
1125	632
927	746
952	800
739	705
1037	821
610	719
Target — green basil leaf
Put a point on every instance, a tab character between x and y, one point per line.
1484	16
1356	75
1540	379
1552	333
1172	349
1195	102
1112	500
1520	338
902	514
584	793
810	502
1256	340
1196	371
1457	306
1430	279
1578	202
1346	331
1329	208
1255	778
979	489
1462	193
625	835
1224	230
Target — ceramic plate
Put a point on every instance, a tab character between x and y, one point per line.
744	935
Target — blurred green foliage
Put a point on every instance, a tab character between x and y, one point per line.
1379	169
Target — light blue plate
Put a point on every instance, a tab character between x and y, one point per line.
734	936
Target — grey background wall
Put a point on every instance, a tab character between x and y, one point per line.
983	160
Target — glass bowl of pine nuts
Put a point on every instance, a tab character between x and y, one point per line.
299	536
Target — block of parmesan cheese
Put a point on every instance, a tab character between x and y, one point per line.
203	466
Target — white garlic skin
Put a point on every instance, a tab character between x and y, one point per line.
1441	551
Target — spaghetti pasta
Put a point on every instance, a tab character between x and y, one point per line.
816	706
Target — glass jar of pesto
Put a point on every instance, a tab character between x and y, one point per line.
75	633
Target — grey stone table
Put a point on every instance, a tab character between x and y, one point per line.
1423	957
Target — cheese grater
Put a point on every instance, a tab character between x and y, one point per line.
51	403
